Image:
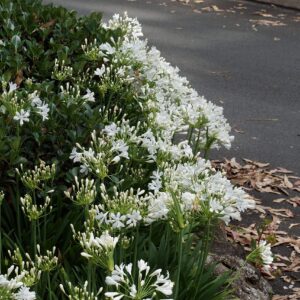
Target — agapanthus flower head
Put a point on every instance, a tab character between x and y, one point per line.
35	211
265	254
41	173
26	269
79	292
85	192
124	209
61	71
146	285
47	262
131	27
13	287
261	255
99	250
22	116
24	293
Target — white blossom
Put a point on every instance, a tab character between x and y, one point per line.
22	116
147	284
100	72
89	96
24	294
265	254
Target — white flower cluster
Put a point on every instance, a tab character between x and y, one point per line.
79	293
108	149
13	288
131	27
22	110
35	211
174	105
266	255
171	107
100	250
122	210
195	185
147	286
41	107
28	269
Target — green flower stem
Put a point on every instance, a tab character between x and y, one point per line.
190	134
197	142
135	251
180	241
33	231
0	240
203	254
18	196
45	230
49	285
18	211
36	233
89	277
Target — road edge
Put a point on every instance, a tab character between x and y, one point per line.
295	4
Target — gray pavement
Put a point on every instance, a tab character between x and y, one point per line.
253	71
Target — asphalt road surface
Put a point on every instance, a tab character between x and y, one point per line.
252	70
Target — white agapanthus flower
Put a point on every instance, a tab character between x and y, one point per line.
22	116
13	287
100	72
147	285
265	253
111	129
121	210
89	96
130	26
158	207
24	293
12	87
107	48
75	155
121	148
43	110
99	250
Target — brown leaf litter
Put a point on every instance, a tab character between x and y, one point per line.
258	176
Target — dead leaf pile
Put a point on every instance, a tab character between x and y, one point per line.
256	175
294	296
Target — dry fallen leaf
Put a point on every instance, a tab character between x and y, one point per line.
263	14
287	183
295	263
216	8
19	77
295	243
48	24
281	212
197	11
267	22
293	225
207	8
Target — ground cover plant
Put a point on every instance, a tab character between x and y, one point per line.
98	200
